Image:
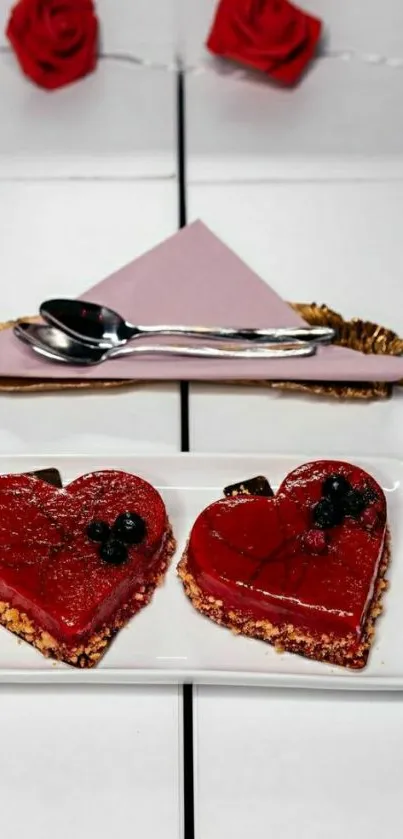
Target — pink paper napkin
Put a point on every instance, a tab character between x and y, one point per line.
193	278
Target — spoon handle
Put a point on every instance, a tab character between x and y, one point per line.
317	334
292	350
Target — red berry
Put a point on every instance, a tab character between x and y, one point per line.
370	517
315	542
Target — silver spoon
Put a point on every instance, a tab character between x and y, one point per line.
57	346
101	327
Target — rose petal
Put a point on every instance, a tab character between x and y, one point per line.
55	41
269	35
289	72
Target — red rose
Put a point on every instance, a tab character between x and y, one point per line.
268	35
55	41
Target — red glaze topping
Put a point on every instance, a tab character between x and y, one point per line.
264	556
48	566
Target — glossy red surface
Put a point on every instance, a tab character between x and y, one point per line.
48	566
253	554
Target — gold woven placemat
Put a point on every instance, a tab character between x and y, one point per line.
355	334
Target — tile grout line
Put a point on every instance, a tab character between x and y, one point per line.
188	733
182	220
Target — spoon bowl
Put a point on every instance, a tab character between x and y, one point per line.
95	325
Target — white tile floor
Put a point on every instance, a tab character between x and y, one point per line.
345	120
311	765
90	763
337	243
118	122
87	183
61	237
329	243
306	186
67	235
259	165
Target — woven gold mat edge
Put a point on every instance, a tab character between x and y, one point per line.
364	336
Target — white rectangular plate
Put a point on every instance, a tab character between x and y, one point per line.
169	641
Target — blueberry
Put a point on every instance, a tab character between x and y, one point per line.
113	552
354	503
98	531
335	487
130	528
327	514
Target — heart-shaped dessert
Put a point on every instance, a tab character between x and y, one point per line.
77	563
303	570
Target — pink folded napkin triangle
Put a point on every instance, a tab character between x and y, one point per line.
193	278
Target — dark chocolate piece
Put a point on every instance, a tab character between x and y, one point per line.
252	486
50	476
